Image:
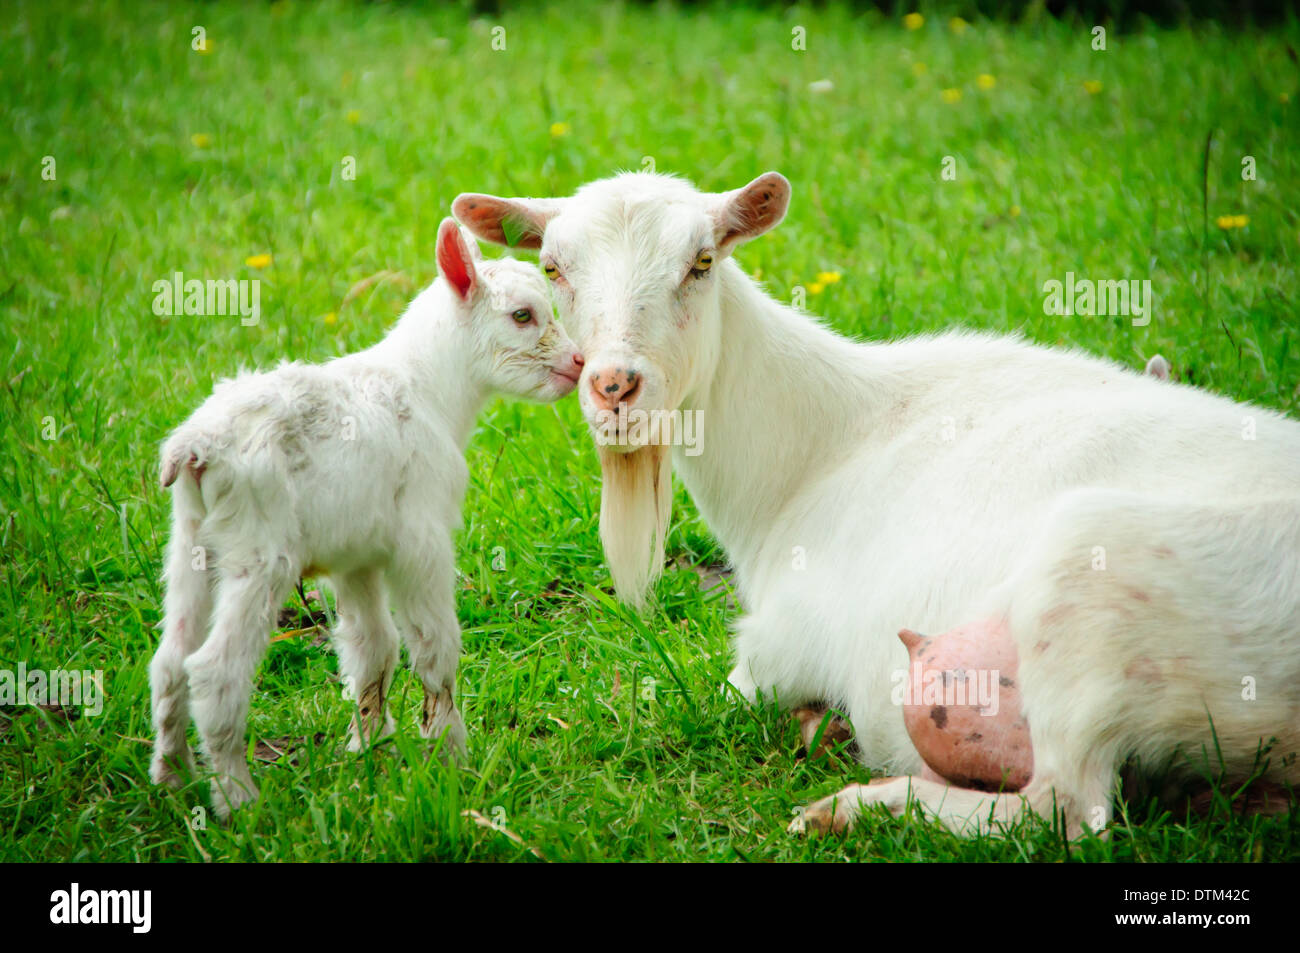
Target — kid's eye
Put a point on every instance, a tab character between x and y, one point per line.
551	271
522	316
703	262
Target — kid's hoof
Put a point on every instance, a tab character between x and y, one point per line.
376	733
372	722
169	771
441	719
230	795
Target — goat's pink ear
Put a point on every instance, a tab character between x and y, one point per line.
519	223
750	211
455	260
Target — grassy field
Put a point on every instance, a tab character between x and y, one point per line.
594	734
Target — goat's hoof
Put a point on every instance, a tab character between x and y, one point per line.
441	719
830	815
371	722
167	770
372	729
453	737
813	819
230	794
838	732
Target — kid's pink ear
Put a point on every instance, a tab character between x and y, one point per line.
455	260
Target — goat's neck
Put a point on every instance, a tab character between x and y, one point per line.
431	349
785	401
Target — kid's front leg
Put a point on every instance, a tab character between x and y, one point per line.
427	619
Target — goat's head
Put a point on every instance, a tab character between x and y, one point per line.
634	261
503	304
636	264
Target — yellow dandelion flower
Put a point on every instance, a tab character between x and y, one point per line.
330	318
958	25
919	69
914	21
1240	221
816	288
353	116
559	129
985	81
952	95
201	140
1015	211
1092	86
257	261
1227	222
828	277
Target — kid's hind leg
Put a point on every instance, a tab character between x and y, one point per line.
366	641
426	615
221	672
187	610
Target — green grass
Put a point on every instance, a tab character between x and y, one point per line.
594	735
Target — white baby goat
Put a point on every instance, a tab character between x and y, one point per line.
354	469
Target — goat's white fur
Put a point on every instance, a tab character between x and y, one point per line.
861	488
354	469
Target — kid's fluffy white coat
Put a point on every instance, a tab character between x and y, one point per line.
354	469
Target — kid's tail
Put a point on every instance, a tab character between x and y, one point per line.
188	447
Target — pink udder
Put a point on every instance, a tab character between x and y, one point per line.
962	706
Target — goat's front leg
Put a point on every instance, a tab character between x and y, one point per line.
366	642
1080	797
426	615
962	810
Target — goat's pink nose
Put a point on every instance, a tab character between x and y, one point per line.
614	386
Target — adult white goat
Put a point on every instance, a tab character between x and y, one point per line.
354	469
1139	541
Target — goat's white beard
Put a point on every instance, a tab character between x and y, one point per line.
635	503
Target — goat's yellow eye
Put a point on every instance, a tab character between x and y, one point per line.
551	271
522	316
703	262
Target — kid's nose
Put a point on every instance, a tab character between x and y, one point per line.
570	367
